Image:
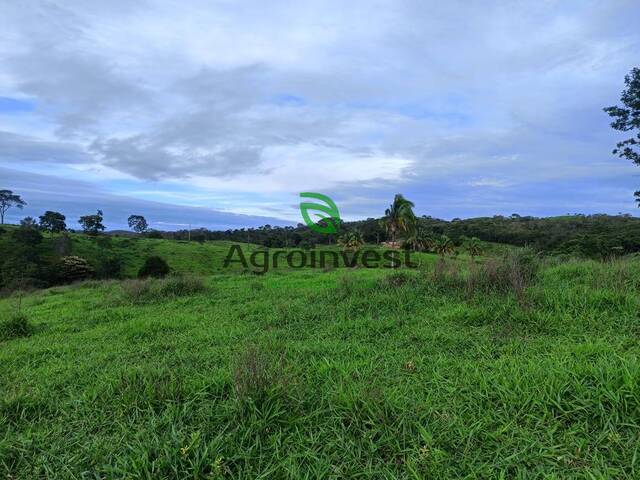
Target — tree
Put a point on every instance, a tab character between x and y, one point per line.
28	222
399	217
138	223
627	119
72	269
418	241
53	222
7	200
92	224
474	247
351	240
443	246
154	267
29	237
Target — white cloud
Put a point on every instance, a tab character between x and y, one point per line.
277	97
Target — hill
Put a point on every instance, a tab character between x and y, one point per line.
592	236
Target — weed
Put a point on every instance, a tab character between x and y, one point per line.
17	325
152	290
256	371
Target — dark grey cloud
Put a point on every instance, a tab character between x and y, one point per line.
75	198
21	148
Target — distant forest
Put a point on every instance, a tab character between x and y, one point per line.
594	236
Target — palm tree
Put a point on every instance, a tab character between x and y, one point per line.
351	240
399	217
443	246
474	247
418	240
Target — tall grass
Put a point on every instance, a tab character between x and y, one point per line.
16	325
154	290
348	374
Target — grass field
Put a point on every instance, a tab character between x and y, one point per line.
349	373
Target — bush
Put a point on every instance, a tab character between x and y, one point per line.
110	267
18	272
74	269
16	326
395	280
62	245
154	267
513	273
137	291
150	289
180	286
27	236
257	371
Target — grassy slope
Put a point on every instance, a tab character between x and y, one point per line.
187	257
361	379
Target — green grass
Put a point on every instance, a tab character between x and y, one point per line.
341	374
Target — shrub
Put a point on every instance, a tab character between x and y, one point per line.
19	272
346	286
73	269
154	267
180	286
446	274
395	280
62	245
16	326
514	272
151	289
137	291
256	371
27	236
110	267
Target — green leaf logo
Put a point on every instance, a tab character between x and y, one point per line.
328	212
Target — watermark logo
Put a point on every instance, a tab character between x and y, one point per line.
326	258
329	213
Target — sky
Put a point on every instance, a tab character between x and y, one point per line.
218	114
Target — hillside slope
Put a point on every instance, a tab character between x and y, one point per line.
328	375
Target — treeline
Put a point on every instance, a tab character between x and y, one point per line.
593	236
30	262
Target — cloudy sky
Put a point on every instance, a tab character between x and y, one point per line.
218	113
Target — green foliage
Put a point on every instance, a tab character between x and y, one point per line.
137	223
109	266
390	377
514	273
28	223
27	236
154	234
399	217
17	325
351	240
153	290
8	199
474	247
62	245
154	267
19	272
627	117
443	245
73	268
418	241
92	224
53	222
257	372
